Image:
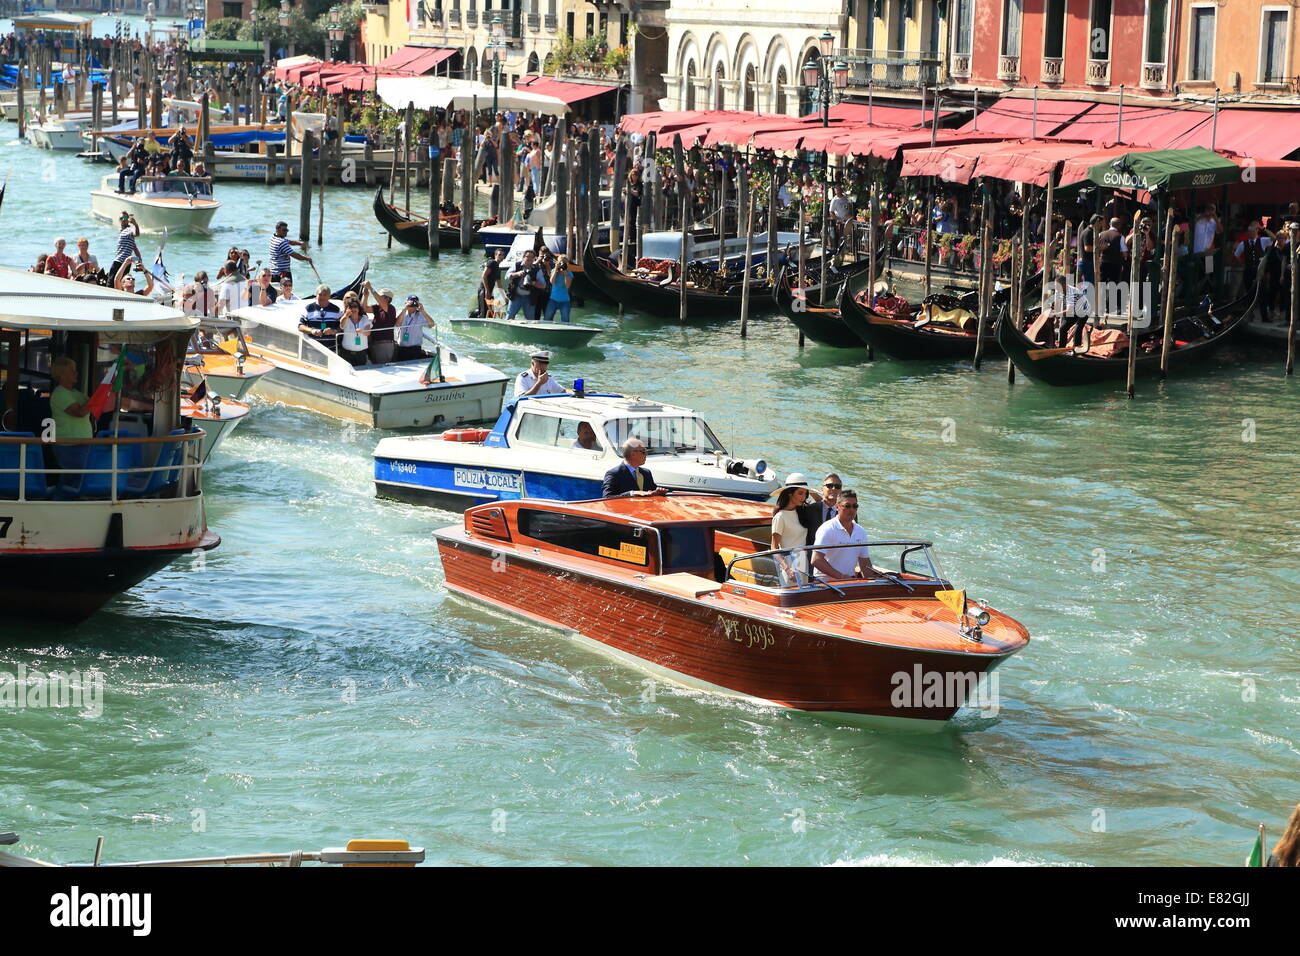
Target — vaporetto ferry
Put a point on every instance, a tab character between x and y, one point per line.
539	448
84	517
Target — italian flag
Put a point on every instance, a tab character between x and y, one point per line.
433	371
1257	854
110	386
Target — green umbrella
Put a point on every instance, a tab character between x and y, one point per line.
1167	170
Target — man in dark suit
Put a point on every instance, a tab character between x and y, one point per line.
814	514
630	478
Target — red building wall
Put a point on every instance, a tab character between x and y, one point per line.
1126	50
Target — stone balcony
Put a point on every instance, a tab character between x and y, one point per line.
1053	70
1009	68
1098	73
897	69
1154	76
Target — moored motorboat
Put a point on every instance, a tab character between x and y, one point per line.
402	394
685	587
176	205
86	518
560	335
534	450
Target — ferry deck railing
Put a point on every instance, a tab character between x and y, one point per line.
188	467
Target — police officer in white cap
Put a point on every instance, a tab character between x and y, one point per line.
536	380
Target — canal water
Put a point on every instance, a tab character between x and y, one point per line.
311	681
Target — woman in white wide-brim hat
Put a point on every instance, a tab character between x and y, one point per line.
788	531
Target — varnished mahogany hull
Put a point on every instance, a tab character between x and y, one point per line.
706	647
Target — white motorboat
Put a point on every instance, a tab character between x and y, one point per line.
310	375
536	450
225	364
170	204
216	415
101	514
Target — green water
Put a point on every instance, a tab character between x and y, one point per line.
312	681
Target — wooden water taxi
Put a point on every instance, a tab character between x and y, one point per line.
686	586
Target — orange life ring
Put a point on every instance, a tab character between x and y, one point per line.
466	434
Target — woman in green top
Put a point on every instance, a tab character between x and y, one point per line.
69	406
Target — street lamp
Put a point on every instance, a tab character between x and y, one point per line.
335	32
496	45
824	80
286	9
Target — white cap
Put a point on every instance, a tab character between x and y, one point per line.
542	354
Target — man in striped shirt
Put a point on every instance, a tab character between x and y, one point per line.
282	251
126	247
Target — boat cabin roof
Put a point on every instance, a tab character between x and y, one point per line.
601	406
29	300
675	509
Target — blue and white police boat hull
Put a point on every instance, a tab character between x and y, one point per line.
559	447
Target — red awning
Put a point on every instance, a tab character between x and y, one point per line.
1015	117
562	89
1139	127
1076	169
739	133
874	114
1264	134
661	121
416	60
872	142
1033	161
952	162
1265	180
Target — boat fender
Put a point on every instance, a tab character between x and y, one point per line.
466	434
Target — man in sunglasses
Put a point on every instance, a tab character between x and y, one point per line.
846	563
814	514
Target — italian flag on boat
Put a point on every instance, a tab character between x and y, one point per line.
1256	857
111	385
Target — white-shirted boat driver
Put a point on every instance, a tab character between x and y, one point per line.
843	564
321	319
282	251
536	380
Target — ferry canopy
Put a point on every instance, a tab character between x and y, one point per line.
442	93
32	301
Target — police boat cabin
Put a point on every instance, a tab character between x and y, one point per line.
100	470
687	586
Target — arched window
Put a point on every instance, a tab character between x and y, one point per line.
780	105
471	64
690	86
747	96
719	94
533	65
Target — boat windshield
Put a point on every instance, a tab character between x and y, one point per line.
666	435
836	566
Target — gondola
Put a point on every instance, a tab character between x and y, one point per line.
818	320
903	338
646	295
414	232
1064	366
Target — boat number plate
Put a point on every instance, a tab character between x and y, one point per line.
748	633
4	526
